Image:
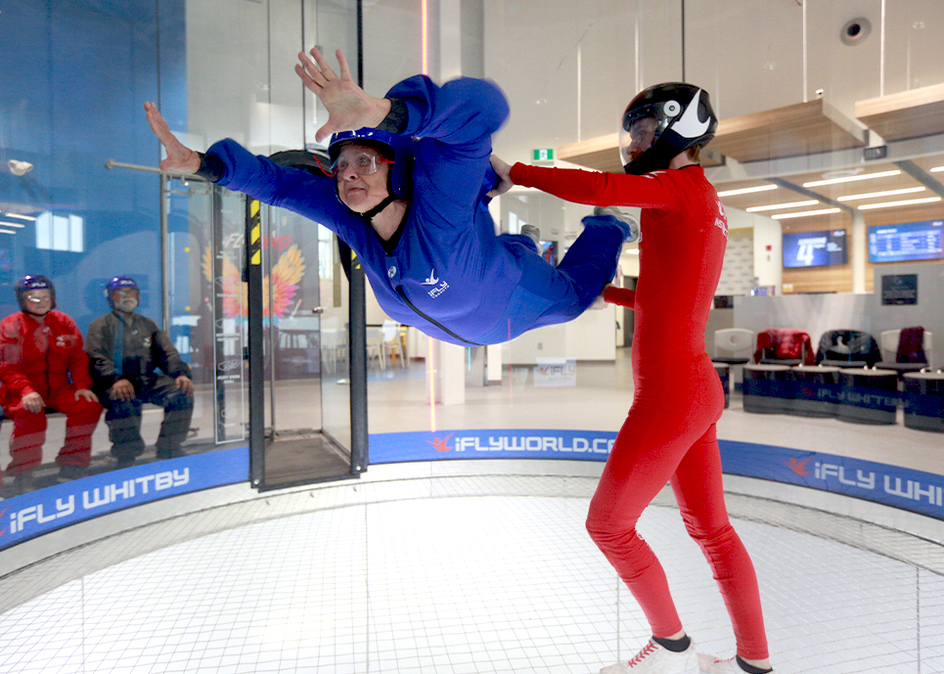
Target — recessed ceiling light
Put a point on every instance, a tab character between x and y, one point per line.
803	214
886	193
849	179
906	202
747	190
774	207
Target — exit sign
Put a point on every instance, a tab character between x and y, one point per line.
544	154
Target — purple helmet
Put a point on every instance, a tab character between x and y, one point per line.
117	283
33	282
393	146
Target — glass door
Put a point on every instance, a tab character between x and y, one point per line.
305	362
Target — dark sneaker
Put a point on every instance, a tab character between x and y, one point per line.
123	462
69	472
171	453
23	483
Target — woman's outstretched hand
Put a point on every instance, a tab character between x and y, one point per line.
179	156
349	106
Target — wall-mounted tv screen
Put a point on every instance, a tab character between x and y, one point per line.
815	249
909	241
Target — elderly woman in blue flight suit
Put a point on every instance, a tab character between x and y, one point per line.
408	192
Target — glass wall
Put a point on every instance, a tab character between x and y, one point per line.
567	70
81	202
805	80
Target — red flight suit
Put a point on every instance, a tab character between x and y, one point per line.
669	434
47	358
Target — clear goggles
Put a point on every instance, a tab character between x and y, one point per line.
37	298
363	163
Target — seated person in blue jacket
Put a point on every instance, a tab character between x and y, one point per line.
125	350
408	192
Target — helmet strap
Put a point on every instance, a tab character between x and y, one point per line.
369	215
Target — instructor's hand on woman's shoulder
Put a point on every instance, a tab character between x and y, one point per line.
503	170
179	156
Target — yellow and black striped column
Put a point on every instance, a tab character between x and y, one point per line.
254	354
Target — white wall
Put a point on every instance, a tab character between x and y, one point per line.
815	314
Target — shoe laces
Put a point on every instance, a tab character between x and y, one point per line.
643	654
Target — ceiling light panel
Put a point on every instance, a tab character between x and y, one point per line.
852	179
906	202
747	190
775	207
804	214
875	195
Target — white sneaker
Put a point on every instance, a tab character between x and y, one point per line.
533	233
654	659
709	664
634	233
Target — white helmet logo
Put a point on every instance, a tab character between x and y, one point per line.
391	272
688	125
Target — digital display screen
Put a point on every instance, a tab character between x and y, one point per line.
909	241
814	249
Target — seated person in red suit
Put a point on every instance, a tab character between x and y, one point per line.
43	366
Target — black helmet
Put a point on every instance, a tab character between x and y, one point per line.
33	282
683	118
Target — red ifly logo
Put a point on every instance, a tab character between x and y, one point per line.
798	467
441	444
3	531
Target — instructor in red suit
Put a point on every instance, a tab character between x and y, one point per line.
669	434
43	365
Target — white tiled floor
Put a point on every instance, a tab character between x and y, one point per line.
455	583
487	569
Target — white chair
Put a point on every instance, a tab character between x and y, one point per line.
734	346
392	342
888	343
375	347
333	344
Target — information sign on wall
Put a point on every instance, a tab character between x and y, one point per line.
900	289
